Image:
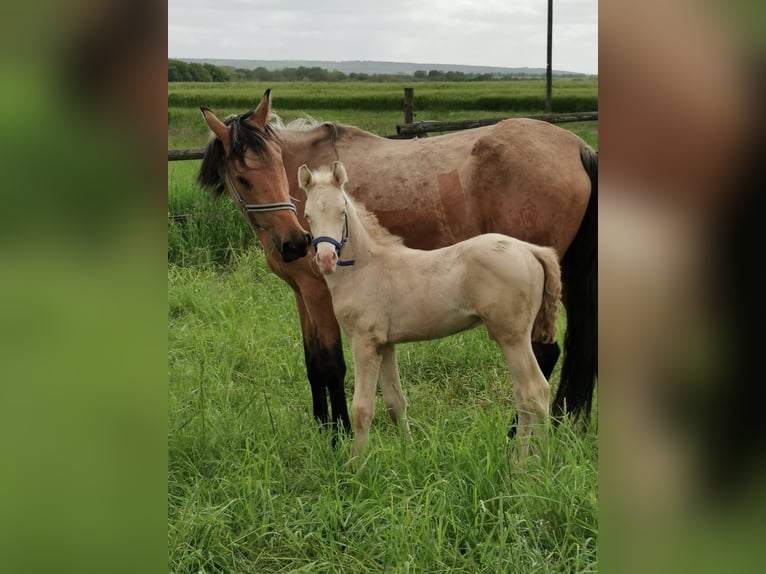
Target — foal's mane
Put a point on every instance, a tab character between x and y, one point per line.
244	137
371	224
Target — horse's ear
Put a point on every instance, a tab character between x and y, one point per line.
221	130
260	116
339	173
304	177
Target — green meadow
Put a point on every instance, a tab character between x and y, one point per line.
375	107
255	486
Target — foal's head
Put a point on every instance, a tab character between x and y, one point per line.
244	159
326	212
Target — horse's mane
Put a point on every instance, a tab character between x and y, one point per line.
370	222
334	131
243	137
306	123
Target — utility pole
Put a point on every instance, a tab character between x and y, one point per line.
548	69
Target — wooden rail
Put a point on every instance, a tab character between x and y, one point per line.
421	128
181	154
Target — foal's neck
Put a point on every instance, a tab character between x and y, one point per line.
358	239
364	230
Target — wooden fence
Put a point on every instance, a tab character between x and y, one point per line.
417	129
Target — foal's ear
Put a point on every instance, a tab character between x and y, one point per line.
304	177
339	173
221	130
260	116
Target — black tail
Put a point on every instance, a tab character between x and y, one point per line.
580	277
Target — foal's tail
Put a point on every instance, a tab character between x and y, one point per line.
545	327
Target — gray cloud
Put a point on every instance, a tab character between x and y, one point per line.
475	32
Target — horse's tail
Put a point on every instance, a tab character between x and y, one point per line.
580	274
545	327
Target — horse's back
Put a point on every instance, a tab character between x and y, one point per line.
519	177
528	179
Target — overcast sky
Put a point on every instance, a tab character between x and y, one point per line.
506	33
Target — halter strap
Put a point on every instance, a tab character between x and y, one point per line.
337	244
254	207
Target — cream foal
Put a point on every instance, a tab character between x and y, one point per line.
384	293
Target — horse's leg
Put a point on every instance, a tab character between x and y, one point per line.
310	344
391	386
323	352
367	359
547	354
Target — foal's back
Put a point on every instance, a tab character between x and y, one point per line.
414	295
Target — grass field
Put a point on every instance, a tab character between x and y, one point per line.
255	486
375	107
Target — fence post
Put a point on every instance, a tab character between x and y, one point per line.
409	106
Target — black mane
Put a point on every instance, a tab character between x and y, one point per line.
243	137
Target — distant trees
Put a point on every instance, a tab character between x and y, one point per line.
179	71
217	74
299	74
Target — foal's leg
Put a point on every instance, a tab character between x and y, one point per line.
530	390
367	358
547	354
391	386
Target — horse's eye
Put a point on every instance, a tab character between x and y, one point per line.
243	181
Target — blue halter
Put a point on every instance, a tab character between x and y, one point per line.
337	244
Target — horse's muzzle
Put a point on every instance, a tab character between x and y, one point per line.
295	248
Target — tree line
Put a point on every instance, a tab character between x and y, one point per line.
179	71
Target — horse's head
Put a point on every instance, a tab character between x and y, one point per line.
326	212
244	159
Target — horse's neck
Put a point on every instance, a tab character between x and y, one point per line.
312	147
321	146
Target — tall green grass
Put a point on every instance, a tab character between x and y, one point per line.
201	229
255	486
517	95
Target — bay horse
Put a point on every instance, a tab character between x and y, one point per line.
384	293
524	178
